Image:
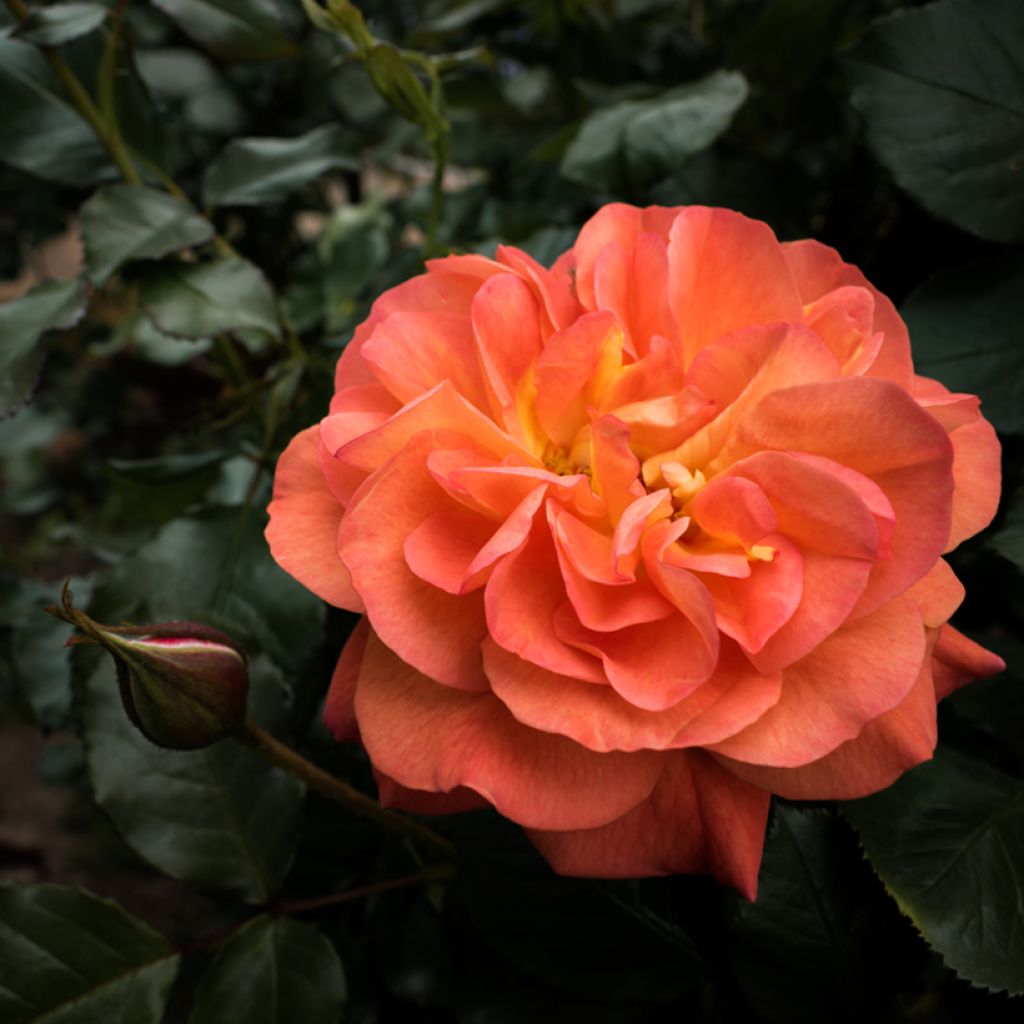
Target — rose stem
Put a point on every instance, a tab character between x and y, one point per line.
334	789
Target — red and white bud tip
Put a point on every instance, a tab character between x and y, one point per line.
183	684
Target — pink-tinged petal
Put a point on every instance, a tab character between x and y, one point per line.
877	429
615	469
752	610
506	326
354	411
437	632
874	498
951	410
434	738
572	371
339	708
726	272
411	353
521	598
303	528
501	488
652	315
587	550
619	223
417	801
938	594
553	287
439	291
442	409
700	818
958	660
654	664
605	608
613	288
441	549
735	507
977	479
886	747
456	548
601	720
818	269
815	506
863	670
737	373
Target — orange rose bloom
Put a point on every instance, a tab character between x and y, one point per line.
640	539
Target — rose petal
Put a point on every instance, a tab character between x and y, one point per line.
601	720
435	631
958	660
888	746
863	670
435	738
303	528
339	710
726	272
700	818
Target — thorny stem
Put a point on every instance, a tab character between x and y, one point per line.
334	789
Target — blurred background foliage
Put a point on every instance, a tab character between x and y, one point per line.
199	200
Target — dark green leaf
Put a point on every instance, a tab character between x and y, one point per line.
220	818
637	142
40	132
941	88
275	969
127	222
204	299
591	938
67	955
51	26
52	305
254	171
806	949
947	840
966	331
167	468
231	29
353	247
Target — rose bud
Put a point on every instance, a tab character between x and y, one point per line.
183	684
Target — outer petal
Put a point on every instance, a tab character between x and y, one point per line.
339	710
303	528
442	289
437	632
434	738
726	272
819	269
958	660
700	817
977	479
863	670
887	747
411	353
416	801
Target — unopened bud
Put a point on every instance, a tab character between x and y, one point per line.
183	684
